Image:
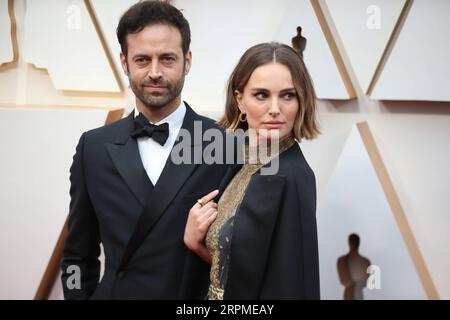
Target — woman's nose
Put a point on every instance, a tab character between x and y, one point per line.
274	109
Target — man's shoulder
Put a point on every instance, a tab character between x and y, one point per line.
208	123
109	132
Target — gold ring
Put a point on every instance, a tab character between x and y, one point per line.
200	201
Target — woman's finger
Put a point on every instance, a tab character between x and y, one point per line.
205	199
206	215
205	224
200	210
209	205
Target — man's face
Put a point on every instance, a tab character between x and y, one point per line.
155	66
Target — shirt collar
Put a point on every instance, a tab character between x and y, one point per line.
175	119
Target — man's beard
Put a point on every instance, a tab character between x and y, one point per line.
157	100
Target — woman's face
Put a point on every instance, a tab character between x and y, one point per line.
269	100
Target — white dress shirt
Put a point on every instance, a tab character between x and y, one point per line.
154	155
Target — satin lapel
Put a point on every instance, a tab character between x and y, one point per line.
169	183
252	234
125	156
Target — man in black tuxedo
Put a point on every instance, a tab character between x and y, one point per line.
126	191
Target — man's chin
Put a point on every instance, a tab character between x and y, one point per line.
156	103
155	106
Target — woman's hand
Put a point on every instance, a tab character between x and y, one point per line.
201	215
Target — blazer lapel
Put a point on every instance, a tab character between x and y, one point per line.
124	153
252	233
169	183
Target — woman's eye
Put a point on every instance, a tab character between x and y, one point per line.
289	96
261	95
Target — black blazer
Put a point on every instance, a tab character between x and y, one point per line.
140	226
274	249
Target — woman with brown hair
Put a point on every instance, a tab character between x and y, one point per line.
261	237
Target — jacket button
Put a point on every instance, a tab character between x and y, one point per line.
121	275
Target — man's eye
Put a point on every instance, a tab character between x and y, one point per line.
140	60
169	59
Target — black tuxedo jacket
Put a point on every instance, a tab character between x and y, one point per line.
140	226
274	249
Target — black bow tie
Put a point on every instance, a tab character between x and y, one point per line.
143	128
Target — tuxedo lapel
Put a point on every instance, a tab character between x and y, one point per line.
252	234
124	154
169	183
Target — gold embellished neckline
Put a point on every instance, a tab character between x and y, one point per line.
263	154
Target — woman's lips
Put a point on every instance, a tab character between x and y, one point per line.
273	124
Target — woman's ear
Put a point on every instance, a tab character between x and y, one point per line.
238	97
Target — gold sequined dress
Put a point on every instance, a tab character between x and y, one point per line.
220	233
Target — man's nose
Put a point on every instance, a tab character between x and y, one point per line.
155	70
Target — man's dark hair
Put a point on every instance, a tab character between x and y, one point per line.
146	13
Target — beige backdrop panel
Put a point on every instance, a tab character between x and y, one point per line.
318	55
60	37
364	27
37	150
108	14
355	202
418	68
23	84
6	46
414	146
223	30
